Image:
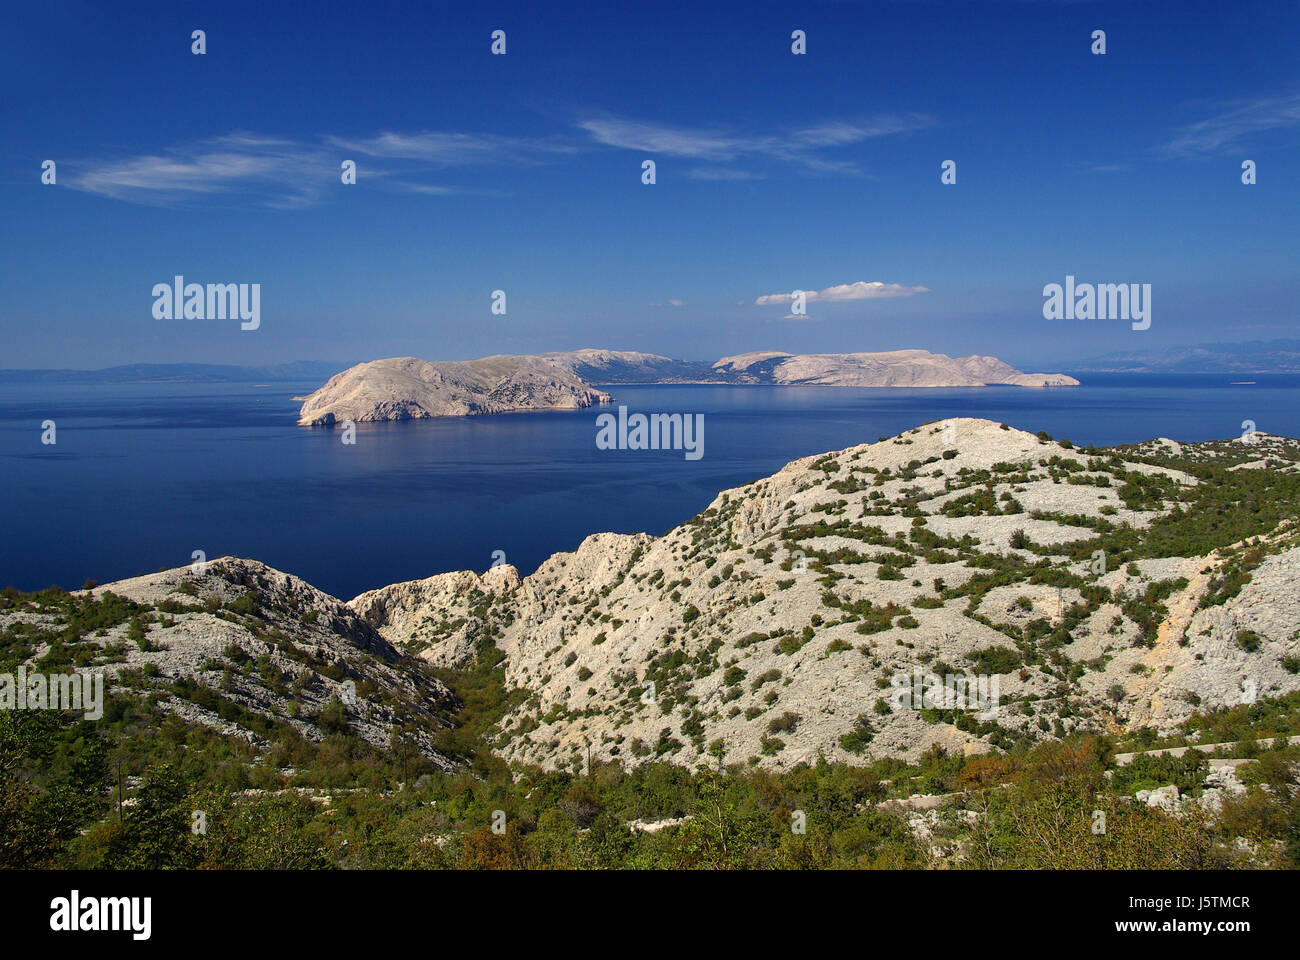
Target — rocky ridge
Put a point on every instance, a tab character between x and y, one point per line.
232	644
772	625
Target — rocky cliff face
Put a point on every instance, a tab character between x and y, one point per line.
404	388
773	626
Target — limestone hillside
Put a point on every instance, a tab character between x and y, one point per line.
1105	589
236	646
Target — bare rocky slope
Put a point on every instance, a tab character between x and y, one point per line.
234	645
405	388
770	628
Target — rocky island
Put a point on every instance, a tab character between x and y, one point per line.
895	368
405	388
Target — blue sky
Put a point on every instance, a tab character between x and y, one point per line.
523	173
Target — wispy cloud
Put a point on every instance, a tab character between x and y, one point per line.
1094	167
859	290
285	173
721	173
282	172
1239	120
802	147
439	148
673	141
439	190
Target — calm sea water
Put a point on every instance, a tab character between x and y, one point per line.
142	475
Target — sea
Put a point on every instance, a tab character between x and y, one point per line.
143	475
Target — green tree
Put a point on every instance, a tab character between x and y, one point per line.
155	833
54	780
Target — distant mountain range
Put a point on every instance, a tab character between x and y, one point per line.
1248	356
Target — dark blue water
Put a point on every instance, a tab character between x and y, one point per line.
142	475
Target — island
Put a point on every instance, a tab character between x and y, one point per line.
406	388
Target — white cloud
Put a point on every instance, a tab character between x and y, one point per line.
292	173
653	138
837	133
279	172
799	147
438	190
720	173
439	148
859	290
1241	119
